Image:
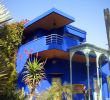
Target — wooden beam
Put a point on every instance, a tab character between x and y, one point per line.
107	23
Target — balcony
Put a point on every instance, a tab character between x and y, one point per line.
49	42
52	41
45	43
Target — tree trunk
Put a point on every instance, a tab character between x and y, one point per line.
32	94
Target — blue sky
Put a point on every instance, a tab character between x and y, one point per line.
87	13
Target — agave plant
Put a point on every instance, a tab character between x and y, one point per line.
33	74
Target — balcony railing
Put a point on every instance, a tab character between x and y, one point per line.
54	38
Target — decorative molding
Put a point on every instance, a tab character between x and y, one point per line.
90	47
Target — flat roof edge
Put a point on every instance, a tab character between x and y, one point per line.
77	29
53	10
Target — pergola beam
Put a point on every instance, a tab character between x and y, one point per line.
107	23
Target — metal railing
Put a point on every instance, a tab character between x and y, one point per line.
54	38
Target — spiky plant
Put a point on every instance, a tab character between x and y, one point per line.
33	74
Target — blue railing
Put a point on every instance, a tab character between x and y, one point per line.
54	38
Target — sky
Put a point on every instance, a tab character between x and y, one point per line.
88	14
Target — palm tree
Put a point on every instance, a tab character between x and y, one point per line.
33	74
4	14
4	72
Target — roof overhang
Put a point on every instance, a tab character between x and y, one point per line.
46	20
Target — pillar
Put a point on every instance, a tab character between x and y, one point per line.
99	94
71	82
86	52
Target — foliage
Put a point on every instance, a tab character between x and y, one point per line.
33	74
4	14
108	79
60	92
56	92
10	94
10	39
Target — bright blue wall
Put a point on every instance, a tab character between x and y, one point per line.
62	66
71	37
79	75
106	71
39	45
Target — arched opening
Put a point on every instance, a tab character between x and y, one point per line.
79	69
92	63
92	73
103	67
79	74
104	74
102	60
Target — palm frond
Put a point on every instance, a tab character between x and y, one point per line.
4	14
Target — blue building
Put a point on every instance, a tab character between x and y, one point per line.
69	59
